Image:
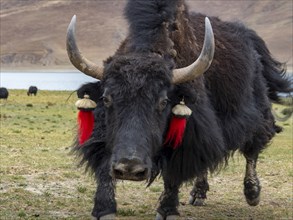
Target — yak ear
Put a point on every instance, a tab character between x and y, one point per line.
94	90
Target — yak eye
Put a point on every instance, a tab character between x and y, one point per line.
163	103
107	101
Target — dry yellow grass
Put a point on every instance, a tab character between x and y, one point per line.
40	180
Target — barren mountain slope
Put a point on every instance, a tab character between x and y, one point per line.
32	32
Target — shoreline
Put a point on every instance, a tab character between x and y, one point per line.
288	72
70	69
33	70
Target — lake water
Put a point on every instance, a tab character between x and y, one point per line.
48	80
44	80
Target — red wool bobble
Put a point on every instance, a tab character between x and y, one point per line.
85	118
177	124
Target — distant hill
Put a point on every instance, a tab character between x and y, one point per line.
32	32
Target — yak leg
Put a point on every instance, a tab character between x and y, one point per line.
105	203
251	183
200	188
169	202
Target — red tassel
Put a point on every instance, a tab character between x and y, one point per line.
86	124
176	131
177	125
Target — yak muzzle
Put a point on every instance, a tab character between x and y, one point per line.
130	169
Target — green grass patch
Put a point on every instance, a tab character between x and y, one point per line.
81	189
126	212
39	179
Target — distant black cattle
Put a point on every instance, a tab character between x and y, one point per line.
3	93
32	90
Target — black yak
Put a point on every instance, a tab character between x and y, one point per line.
32	90
168	105
3	93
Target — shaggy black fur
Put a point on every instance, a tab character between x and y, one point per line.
230	103
145	19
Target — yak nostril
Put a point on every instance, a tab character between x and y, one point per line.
117	173
130	171
139	171
141	174
119	169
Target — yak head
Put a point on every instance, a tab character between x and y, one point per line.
136	97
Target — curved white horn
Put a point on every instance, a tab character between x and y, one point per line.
75	56
202	63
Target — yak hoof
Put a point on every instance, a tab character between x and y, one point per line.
253	199
253	202
197	201
107	217
252	193
169	217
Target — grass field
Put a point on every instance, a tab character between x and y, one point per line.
39	179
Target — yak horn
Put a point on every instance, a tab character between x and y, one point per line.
77	59
203	62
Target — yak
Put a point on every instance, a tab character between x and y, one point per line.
180	95
32	90
3	93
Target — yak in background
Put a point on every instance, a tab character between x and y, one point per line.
32	90
4	93
228	84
